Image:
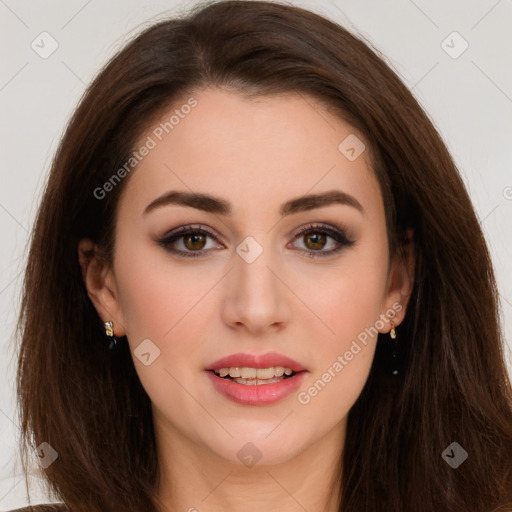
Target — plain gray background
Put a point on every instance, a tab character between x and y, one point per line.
468	94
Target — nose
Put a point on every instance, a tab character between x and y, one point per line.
256	296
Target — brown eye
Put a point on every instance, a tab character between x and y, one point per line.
321	240
194	242
315	241
189	241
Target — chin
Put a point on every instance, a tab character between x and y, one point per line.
257	447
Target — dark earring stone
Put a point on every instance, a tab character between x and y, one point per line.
111	343
394	366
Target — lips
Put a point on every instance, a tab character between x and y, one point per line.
266	360
253	391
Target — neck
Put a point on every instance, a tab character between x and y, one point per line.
193	478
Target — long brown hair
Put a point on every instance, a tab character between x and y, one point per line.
454	387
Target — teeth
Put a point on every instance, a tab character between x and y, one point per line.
247	373
255	382
254	373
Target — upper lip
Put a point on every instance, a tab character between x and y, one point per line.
266	360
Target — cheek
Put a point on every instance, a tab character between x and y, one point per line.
174	308
155	296
349	306
350	316
347	300
169	307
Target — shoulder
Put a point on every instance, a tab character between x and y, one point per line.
53	507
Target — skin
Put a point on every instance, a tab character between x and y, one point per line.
256	154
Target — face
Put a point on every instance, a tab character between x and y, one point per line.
288	257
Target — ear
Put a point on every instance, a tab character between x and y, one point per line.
100	283
400	282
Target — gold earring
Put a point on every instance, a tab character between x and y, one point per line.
109	328
392	333
111	341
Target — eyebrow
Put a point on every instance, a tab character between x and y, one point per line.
219	206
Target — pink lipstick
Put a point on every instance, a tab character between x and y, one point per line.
251	379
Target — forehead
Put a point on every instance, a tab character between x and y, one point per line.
265	149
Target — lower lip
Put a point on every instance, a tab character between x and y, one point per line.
259	394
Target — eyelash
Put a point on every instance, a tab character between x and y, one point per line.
334	233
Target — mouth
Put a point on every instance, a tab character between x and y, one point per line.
256	379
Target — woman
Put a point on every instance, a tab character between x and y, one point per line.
296	300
